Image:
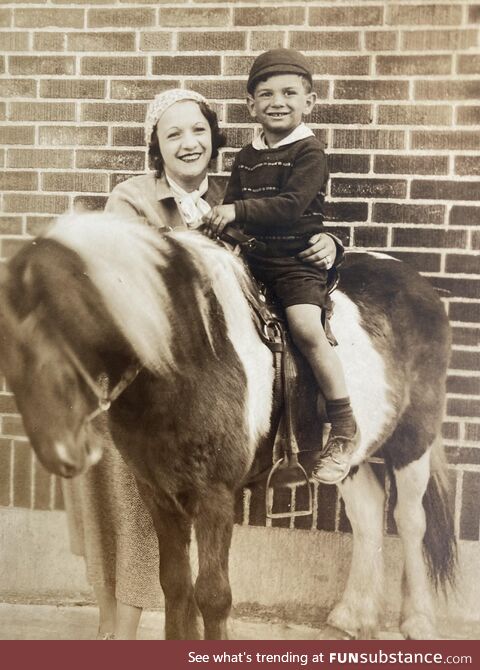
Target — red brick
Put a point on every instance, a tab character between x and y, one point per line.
42	111
158	41
415	115
49	41
469	116
463	359
120	18
353	138
22	475
5	465
343	232
49	18
461	383
73	136
354	65
474	14
371	90
370	236
89	202
472	432
212	41
230	89
128	137
389	212
464	216
468	165
413	65
325	41
42	487
113	66
18	181
447	90
346	16
444	40
470	513
381	40
238	137
18	88
23	202
194	17
5	18
444	190
41	65
38	158
110	160
433	14
468	64
268	16
72	88
75	181
368	188
463	264
117	178
17	135
10	225
111	42
263	40
428	237
468	312
186	65
37	225
7	405
421	261
445	139
14	41
386	164
340	114
348	163
113	111
463	407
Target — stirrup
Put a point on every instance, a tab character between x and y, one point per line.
293	473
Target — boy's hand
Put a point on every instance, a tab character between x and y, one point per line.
321	252
219	217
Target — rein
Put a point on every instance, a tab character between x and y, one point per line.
100	389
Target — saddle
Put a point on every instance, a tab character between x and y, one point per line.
286	456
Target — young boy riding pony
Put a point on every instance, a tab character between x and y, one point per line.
276	194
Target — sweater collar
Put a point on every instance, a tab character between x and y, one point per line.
299	133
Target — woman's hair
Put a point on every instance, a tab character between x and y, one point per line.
218	140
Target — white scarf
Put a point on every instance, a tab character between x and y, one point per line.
190	203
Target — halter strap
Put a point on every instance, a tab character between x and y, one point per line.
100	390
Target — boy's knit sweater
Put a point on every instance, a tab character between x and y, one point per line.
279	193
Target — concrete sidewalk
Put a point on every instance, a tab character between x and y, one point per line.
79	622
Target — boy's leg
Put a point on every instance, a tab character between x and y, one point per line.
307	332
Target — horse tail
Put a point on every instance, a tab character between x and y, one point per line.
439	542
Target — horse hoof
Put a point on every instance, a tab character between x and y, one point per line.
352	624
418	627
330	632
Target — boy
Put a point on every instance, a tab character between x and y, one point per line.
276	193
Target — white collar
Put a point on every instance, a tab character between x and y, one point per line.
191	204
299	133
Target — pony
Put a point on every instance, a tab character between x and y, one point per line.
101	314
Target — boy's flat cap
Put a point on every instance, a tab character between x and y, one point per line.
278	61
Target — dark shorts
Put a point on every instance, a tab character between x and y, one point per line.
291	281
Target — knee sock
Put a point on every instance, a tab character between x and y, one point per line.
340	415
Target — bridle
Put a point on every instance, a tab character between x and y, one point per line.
100	388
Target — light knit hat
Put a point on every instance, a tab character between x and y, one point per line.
162	102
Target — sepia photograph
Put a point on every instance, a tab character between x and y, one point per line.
240	321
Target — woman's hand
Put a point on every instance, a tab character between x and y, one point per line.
218	218
321	252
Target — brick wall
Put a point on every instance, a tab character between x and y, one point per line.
399	111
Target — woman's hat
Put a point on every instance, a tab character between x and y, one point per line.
278	61
163	101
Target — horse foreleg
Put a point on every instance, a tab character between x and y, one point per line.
213	530
417	606
358	611
181	613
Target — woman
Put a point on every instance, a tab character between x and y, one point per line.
109	523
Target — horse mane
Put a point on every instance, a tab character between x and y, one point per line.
124	261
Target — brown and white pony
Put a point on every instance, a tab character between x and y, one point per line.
166	320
